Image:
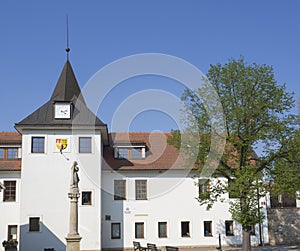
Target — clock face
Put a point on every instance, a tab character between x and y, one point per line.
62	111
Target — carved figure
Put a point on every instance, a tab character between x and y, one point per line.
74	175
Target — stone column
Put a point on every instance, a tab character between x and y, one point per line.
73	238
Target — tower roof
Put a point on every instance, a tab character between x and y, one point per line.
66	90
67	87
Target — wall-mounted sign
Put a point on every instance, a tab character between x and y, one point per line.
127	211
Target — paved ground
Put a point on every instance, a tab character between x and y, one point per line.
274	248
266	248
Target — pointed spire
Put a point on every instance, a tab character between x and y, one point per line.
67	48
67	88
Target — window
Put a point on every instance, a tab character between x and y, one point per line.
2	154
233	189
129	152
119	189
139	230
12	232
9	191
34	224
252	230
204	188
86	198
116	230
85	144
185	229
136	153
12	153
141	189
38	144
9	153
121	153
207	228
229	228
162	229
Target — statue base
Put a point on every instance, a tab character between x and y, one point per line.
73	242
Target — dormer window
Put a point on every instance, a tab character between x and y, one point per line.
130	151
9	153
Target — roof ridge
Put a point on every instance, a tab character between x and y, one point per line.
141	132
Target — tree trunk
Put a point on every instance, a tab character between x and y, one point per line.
246	239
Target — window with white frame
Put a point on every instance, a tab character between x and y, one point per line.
12	231
207	228
162	230
115	230
130	152
139	230
229	228
233	189
85	144
86	198
9	153
9	194
38	144
34	224
204	188
119	189
141	189
185	229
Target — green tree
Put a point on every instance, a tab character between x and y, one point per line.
255	107
284	173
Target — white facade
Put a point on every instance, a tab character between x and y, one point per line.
167	214
9	210
45	185
171	199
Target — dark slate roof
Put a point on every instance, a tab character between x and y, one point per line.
66	90
67	87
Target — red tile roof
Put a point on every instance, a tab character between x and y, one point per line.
10	138
10	165
159	154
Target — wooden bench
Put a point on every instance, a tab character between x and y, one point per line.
170	248
152	247
137	246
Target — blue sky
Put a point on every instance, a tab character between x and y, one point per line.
33	39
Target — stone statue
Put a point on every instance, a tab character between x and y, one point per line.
73	238
74	176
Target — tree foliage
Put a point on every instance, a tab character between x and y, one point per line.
285	173
256	109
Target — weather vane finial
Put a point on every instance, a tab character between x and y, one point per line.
68	48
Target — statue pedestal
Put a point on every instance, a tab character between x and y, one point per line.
73	238
73	242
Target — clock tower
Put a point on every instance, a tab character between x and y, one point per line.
62	110
61	131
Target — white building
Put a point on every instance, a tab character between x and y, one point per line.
132	188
